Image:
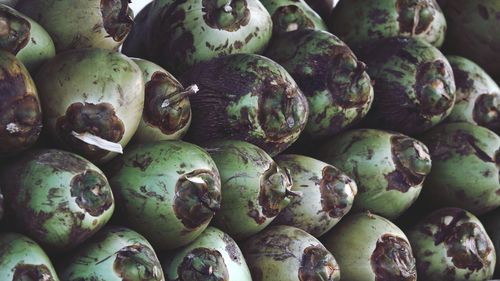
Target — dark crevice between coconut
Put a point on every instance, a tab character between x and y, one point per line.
393	260
486	111
197	198
117	18
21	122
412	161
92	191
415	17
290	18
137	262
166	103
466	243
96	119
228	15
203	264
275	191
28	272
334	196
14	31
317	264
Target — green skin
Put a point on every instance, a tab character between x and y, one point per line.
327	194
387	167
472	29
40	48
414	83
20	111
478	96
371	248
338	89
81	24
113	254
375	20
492	225
58	198
166	190
21	259
255	189
175	119
178	34
452	244
465	167
94	91
286	253
290	15
246	97
213	256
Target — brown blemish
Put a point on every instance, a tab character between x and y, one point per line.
117	18
60	160
283	21
486	111
97	119
334	198
415	17
317	264
142	161
393	260
160	90
14	31
229	17
137	262
92	191
432	89
203	264
277	246
255	214
232	248
197	198
28	272
273	190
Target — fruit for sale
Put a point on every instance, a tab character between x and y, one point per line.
167	111
20	112
246	97
371	248
285	253
451	244
254	188
465	167
359	22
473	26
214	255
21	259
414	85
327	194
178	34
100	24
93	100
57	198
113	254
337	87
168	191
478	96
386	166
291	15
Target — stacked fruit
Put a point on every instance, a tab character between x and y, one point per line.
249	140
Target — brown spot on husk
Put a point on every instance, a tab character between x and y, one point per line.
273	186
203	264
486	111
173	117
415	17
142	161
232	248
97	119
14	31
230	17
31	272
197	198
60	160
137	262
282	19
333	198
393	260
20	112
92	192
317	264
117	18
